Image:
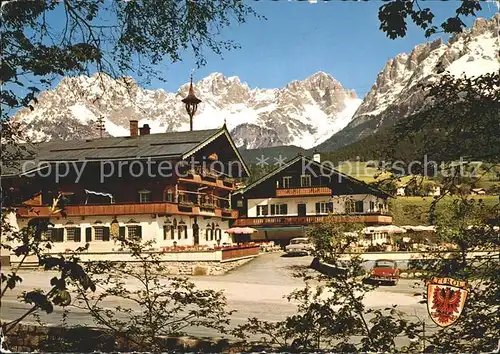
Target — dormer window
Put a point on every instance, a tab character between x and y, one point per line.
305	181
144	196
287	181
169	195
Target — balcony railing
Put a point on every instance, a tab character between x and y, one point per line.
302	191
125	209
313	219
208	178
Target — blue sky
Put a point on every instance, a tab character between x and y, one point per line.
300	38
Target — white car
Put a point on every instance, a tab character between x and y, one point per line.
299	246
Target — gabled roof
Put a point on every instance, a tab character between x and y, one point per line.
171	145
312	162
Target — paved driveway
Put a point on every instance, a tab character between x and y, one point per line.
255	289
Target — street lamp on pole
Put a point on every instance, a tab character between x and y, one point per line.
191	102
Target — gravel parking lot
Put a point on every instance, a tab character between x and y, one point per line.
255	289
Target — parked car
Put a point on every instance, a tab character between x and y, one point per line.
385	270
299	246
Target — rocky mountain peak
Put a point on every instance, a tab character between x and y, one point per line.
304	112
396	92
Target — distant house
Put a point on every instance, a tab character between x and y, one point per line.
285	202
435	191
478	191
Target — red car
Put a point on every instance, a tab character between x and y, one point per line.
385	270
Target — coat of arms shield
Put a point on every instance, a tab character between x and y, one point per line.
446	300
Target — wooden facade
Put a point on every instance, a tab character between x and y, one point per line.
308	220
103	189
305	192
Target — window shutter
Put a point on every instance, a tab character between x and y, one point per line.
78	234
359	206
121	233
139	231
165	230
284	209
318	208
330	207
88	234
60	235
105	234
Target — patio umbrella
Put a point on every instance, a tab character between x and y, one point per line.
240	230
390	229
419	228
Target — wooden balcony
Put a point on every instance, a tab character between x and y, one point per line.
303	191
125	209
276	221
218	183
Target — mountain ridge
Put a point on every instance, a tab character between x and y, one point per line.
304	112
396	93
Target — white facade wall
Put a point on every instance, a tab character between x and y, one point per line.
338	203
152	230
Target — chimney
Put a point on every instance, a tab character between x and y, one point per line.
134	127
145	130
317	156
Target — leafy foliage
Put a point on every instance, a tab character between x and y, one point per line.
151	304
115	37
395	15
28	242
468	228
458	120
331	313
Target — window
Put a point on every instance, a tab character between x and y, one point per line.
279	209
144	196
101	233
349	207
73	234
210	234
169	195
305	181
218	234
67	198
239	203
324	207
98	233
262	210
182	229
359	206
56	235
134	232
287	181
372	206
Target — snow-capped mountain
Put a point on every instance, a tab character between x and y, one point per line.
304	113
396	92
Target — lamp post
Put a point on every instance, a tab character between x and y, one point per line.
191	102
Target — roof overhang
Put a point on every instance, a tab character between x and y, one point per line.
222	131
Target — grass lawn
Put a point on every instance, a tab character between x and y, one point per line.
415	210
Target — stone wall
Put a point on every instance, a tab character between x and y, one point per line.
202	262
27	338
204	268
